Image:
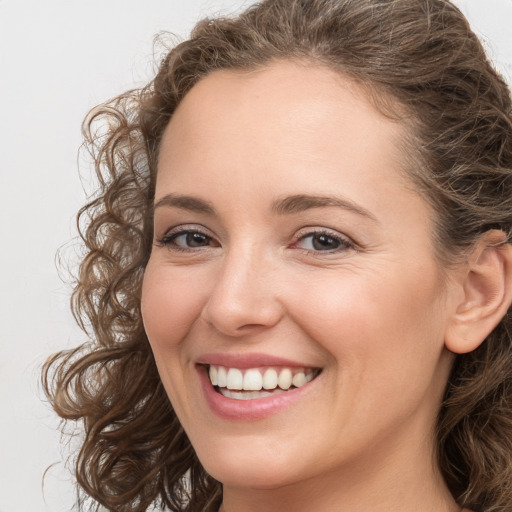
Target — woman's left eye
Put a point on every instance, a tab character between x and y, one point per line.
323	242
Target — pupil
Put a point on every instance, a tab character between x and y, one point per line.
323	242
196	240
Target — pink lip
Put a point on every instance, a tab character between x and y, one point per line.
244	361
248	410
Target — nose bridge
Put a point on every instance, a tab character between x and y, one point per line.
243	296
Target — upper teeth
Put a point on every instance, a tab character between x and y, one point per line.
255	379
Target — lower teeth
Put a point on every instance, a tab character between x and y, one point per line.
249	395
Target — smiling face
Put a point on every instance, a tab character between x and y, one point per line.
293	259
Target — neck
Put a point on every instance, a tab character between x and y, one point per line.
320	496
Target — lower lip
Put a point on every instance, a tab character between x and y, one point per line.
248	410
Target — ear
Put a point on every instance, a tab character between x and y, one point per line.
486	285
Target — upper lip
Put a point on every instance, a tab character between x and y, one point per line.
250	360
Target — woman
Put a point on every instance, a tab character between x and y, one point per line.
299	270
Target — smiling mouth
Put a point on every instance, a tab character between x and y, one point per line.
254	383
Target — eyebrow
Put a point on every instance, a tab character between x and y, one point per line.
302	202
190	203
288	205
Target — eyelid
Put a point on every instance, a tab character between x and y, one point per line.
185	228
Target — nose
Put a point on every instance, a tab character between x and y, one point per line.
244	298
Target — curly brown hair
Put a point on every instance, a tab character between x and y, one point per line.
420	54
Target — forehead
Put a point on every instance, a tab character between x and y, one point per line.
291	104
288	125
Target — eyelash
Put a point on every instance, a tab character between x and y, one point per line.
344	243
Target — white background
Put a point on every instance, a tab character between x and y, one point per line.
58	58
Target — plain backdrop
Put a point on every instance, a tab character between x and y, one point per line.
58	58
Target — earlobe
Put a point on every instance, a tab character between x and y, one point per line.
486	293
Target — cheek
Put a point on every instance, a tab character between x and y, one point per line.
379	333
384	324
170	303
170	306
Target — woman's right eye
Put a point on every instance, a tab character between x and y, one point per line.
187	240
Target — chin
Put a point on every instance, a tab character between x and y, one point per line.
253	468
256	477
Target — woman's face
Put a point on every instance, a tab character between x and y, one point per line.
291	253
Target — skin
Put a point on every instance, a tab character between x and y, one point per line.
373	313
